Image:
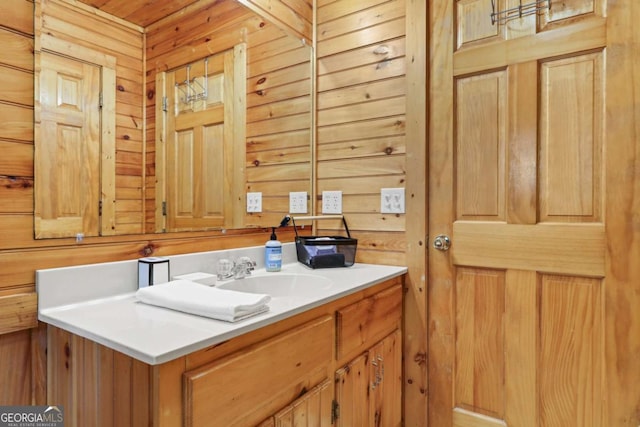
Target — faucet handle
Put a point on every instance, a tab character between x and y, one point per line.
246	262
224	269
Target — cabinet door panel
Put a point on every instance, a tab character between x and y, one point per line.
311	410
362	324
369	388
352	384
240	389
385	379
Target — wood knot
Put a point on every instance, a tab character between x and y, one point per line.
150	94
388	150
126	137
262	80
121	88
420	358
256	162
147	250
259	92
262	24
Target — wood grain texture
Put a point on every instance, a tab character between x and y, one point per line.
480	296
571	174
586	34
220	390
522	153
18	312
313	409
521	337
537	248
574	255
570	375
360	325
441	319
481	112
622	286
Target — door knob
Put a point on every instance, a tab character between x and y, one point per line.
442	242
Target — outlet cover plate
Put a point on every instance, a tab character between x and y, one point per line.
298	202
392	200
254	202
332	202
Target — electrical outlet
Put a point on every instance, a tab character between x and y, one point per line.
254	202
392	200
298	202
332	202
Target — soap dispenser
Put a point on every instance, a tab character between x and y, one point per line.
273	253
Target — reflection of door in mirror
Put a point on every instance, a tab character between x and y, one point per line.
200	118
69	148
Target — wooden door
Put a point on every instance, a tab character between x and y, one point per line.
67	155
203	124
519	303
195	145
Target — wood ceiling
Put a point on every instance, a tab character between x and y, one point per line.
293	16
139	12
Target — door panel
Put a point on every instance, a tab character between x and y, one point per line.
480	151
479	375
571	121
570	350
516	306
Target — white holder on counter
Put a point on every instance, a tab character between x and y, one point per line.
152	271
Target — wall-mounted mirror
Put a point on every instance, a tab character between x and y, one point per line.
109	162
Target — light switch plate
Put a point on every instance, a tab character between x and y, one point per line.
298	202
254	202
332	202
392	200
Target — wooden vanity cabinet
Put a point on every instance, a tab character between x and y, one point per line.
298	371
232	391
369	385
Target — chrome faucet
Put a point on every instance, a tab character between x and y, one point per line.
243	267
237	269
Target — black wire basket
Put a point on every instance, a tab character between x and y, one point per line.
325	251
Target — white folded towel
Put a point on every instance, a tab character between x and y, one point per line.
194	298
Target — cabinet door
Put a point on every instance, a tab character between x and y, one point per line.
311	410
385	380
352	384
245	387
369	388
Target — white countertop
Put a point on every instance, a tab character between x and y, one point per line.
156	335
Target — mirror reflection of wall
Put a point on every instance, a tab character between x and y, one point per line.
270	148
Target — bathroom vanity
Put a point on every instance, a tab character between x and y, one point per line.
331	354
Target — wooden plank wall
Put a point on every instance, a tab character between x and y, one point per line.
22	338
361	144
361	118
278	99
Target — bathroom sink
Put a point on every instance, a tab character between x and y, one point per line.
281	285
